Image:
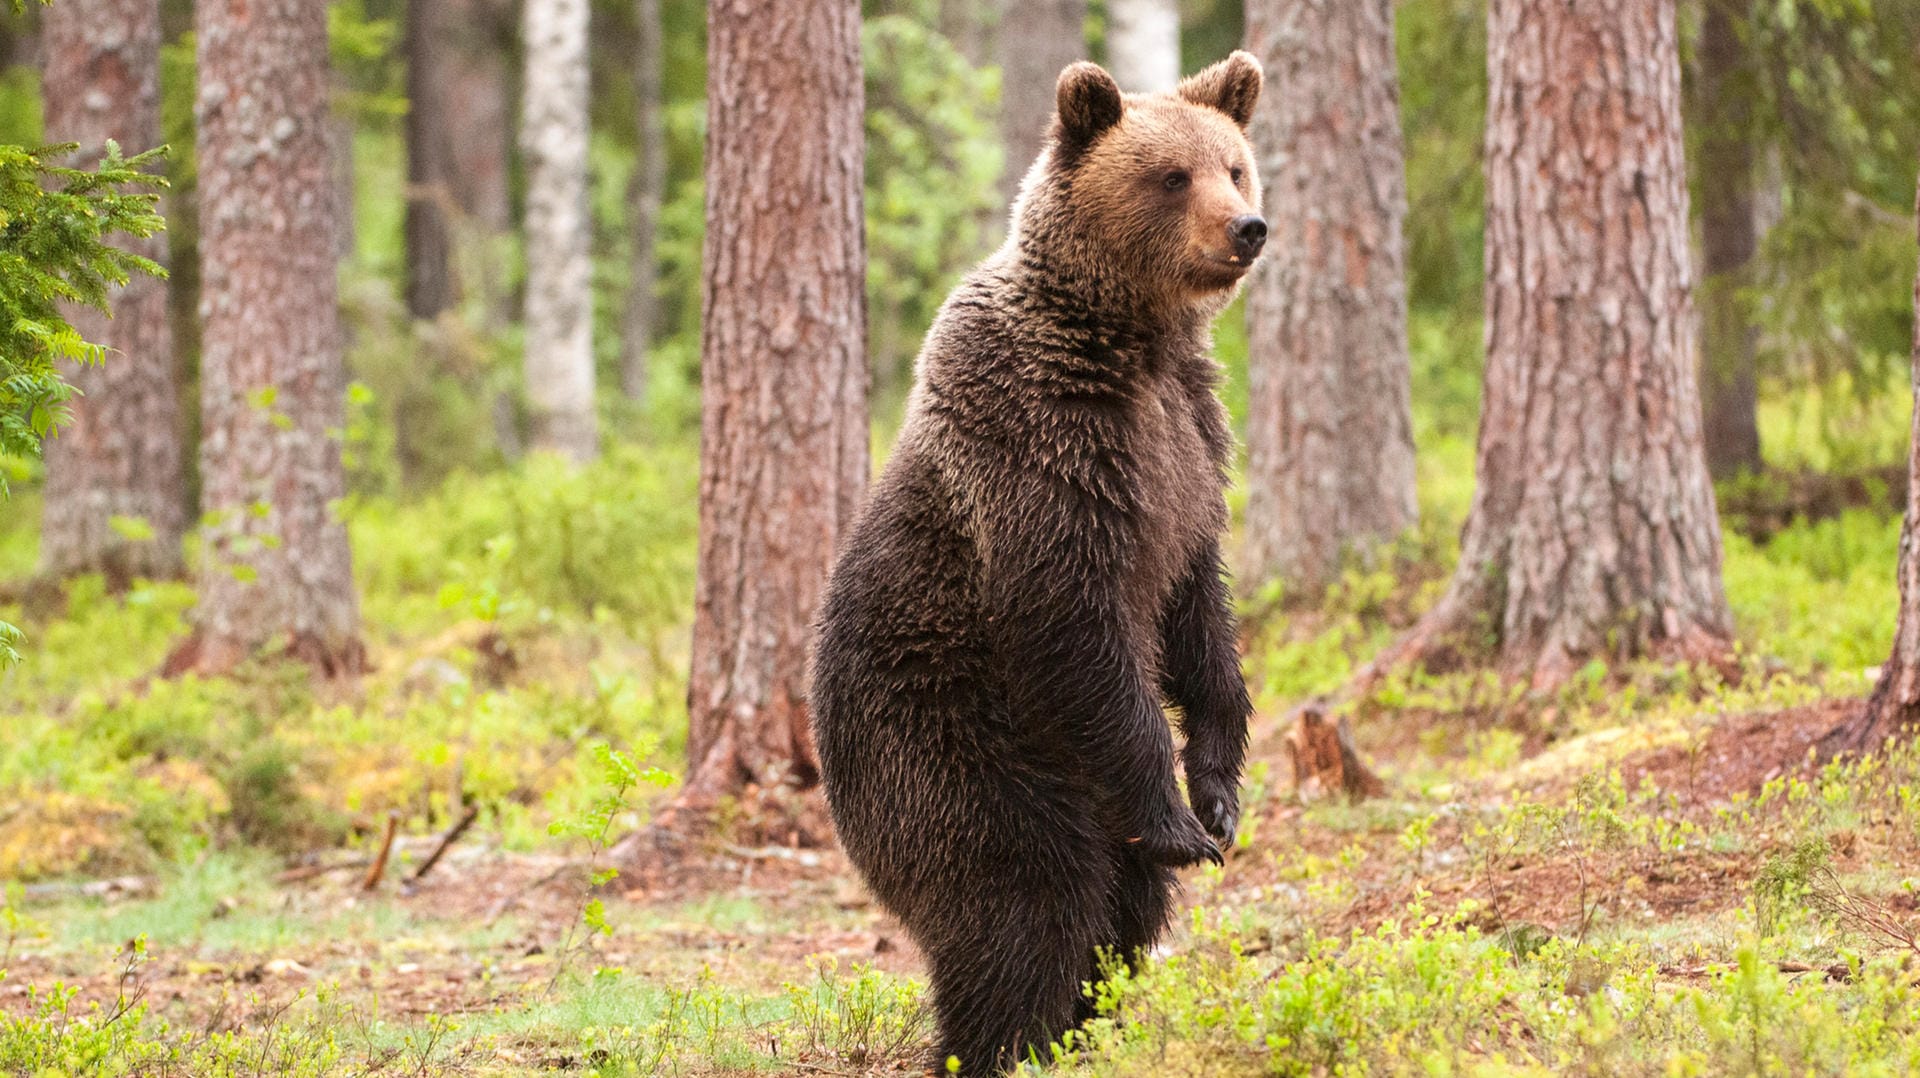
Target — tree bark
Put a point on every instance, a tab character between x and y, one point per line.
1143	44
1330	427
1037	39
1894	708
783	443
276	568
644	197
457	143
120	455
1592	529
1729	234
553	142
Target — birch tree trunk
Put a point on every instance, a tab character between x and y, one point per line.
1894	708
1330	429
1592	530
1143	43
553	142
119	459
1037	38
276	566
644	197
783	438
1729	238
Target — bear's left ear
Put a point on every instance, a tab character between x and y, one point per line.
1087	102
1232	86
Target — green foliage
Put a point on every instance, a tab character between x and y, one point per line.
54	226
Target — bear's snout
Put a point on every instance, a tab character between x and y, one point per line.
1248	232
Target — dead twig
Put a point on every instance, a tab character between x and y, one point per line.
379	867
446	842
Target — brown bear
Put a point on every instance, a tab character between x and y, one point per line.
1037	573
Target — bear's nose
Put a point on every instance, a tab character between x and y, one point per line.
1248	233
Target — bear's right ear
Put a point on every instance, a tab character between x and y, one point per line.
1088	102
1232	86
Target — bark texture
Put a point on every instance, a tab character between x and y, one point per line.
783	439
1143	44
276	564
553	142
1036	39
647	191
1894	708
1330	430
120	456
1729	238
1592	530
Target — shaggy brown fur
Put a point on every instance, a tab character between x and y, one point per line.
1037	573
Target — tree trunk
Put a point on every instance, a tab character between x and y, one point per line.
1592	528
1037	38
553	141
119	459
1330	427
1143	44
457	136
1729	233
276	563
644	196
1894	708
783	441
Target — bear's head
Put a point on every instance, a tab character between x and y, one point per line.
1158	190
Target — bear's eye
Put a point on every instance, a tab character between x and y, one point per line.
1177	180
1237	173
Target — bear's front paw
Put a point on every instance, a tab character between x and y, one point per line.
1217	803
1178	840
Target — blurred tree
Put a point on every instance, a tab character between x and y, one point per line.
1330	426
1592	527
1037	38
646	191
970	26
1894	708
1143	44
276	565
459	105
783	447
115	496
559	229
1723	96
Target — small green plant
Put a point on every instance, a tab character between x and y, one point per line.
866	1019
619	775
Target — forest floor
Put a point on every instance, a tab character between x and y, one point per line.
1643	872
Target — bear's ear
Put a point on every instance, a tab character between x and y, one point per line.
1232	86
1088	102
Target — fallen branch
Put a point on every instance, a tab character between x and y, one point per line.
107	888
379	866
1839	971
446	842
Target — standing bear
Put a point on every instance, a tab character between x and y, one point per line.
1037	574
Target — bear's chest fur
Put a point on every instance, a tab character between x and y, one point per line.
1177	502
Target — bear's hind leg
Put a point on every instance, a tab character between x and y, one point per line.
1012	982
1142	903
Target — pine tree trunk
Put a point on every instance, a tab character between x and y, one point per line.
457	139
1037	38
276	566
1143	44
1729	234
1592	530
647	192
1330	429
120	456
1894	708
783	444
553	141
